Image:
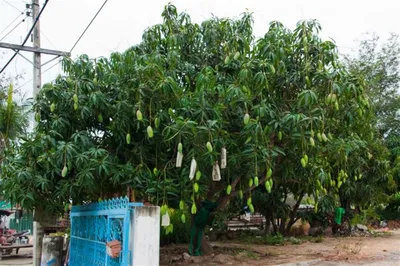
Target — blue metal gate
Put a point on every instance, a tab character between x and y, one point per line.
93	225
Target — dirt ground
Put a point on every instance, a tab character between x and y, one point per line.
371	250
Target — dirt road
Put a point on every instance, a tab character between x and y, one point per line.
372	251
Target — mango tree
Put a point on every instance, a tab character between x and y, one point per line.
193	112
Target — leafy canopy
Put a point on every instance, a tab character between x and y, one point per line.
118	121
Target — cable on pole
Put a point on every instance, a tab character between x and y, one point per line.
87	27
8	33
27	36
11	23
8	3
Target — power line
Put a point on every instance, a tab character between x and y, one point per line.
90	23
16	8
27	36
47	69
11	23
12	29
41	31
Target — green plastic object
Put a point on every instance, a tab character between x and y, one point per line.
200	222
339	212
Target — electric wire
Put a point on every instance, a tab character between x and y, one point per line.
27	36
47	69
13	29
87	27
16	8
10	23
41	31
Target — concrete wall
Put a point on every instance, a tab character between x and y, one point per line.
52	250
145	236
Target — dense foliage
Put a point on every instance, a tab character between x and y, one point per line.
13	119
290	116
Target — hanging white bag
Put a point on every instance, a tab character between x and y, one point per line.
223	158
193	167
216	174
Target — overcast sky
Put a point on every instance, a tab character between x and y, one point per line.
122	22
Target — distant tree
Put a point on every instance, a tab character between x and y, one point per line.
379	64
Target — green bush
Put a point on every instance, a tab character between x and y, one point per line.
392	210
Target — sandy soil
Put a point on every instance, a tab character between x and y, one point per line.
373	251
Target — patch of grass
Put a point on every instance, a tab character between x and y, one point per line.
251	255
312	239
294	241
274	240
380	233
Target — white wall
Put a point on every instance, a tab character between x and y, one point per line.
145	236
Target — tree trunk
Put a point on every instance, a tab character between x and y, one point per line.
274	224
282	226
293	214
206	248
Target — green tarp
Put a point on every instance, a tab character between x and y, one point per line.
4	205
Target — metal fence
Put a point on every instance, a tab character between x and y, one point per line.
22	224
93	225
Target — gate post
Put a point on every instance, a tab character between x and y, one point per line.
145	236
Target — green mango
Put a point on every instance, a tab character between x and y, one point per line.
250	182
268	187
251	208
256	181
228	189
139	115
305	158
312	142
209	146
198	175
319	136
150	132
303	162
196	187
180	147
248	201
64	171
227	60
324	138
128	138
157	122
269	173
194	209
246	118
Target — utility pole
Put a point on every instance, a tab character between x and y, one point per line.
37	62
38	231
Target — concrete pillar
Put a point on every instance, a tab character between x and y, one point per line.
145	236
52	250
38	233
